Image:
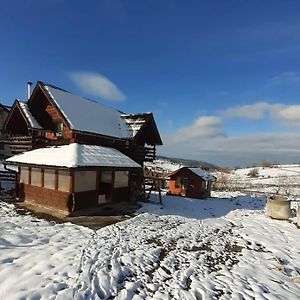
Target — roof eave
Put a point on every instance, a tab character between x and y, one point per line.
14	163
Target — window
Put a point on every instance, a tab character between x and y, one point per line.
178	182
121	179
49	178
36	177
85	181
59	127
24	175
64	180
184	183
106	176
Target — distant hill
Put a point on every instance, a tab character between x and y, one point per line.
190	162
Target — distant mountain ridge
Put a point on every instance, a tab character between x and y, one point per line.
190	162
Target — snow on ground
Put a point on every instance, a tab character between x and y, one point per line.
220	248
277	179
38	259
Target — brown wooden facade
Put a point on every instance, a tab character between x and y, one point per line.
55	129
67	190
186	183
4	143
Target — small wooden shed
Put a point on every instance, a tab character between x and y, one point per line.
191	182
74	177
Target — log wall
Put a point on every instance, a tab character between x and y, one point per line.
46	197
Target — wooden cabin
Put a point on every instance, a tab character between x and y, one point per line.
191	183
4	145
74	177
53	116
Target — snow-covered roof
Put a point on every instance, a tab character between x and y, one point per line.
75	155
203	174
31	119
199	172
89	116
135	122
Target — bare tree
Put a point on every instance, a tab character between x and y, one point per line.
265	164
222	181
253	173
284	185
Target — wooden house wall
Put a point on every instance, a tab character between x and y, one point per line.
3	115
146	135
126	147
70	201
38	107
46	197
85	200
64	201
93	139
196	185
16	125
46	114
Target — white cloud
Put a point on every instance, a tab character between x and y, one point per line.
264	143
284	78
286	114
255	111
243	150
205	139
97	85
203	127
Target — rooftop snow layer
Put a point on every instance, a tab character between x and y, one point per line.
203	174
75	155
135	122
33	122
90	116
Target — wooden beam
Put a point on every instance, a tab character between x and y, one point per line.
42	177
56	180
72	179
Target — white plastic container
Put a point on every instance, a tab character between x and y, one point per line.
279	207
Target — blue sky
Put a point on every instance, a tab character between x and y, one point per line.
221	77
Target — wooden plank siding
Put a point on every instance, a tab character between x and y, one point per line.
46	197
55	116
71	201
196	186
19	144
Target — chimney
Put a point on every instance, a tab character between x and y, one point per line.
29	84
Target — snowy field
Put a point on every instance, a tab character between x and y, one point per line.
278	179
220	248
275	179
